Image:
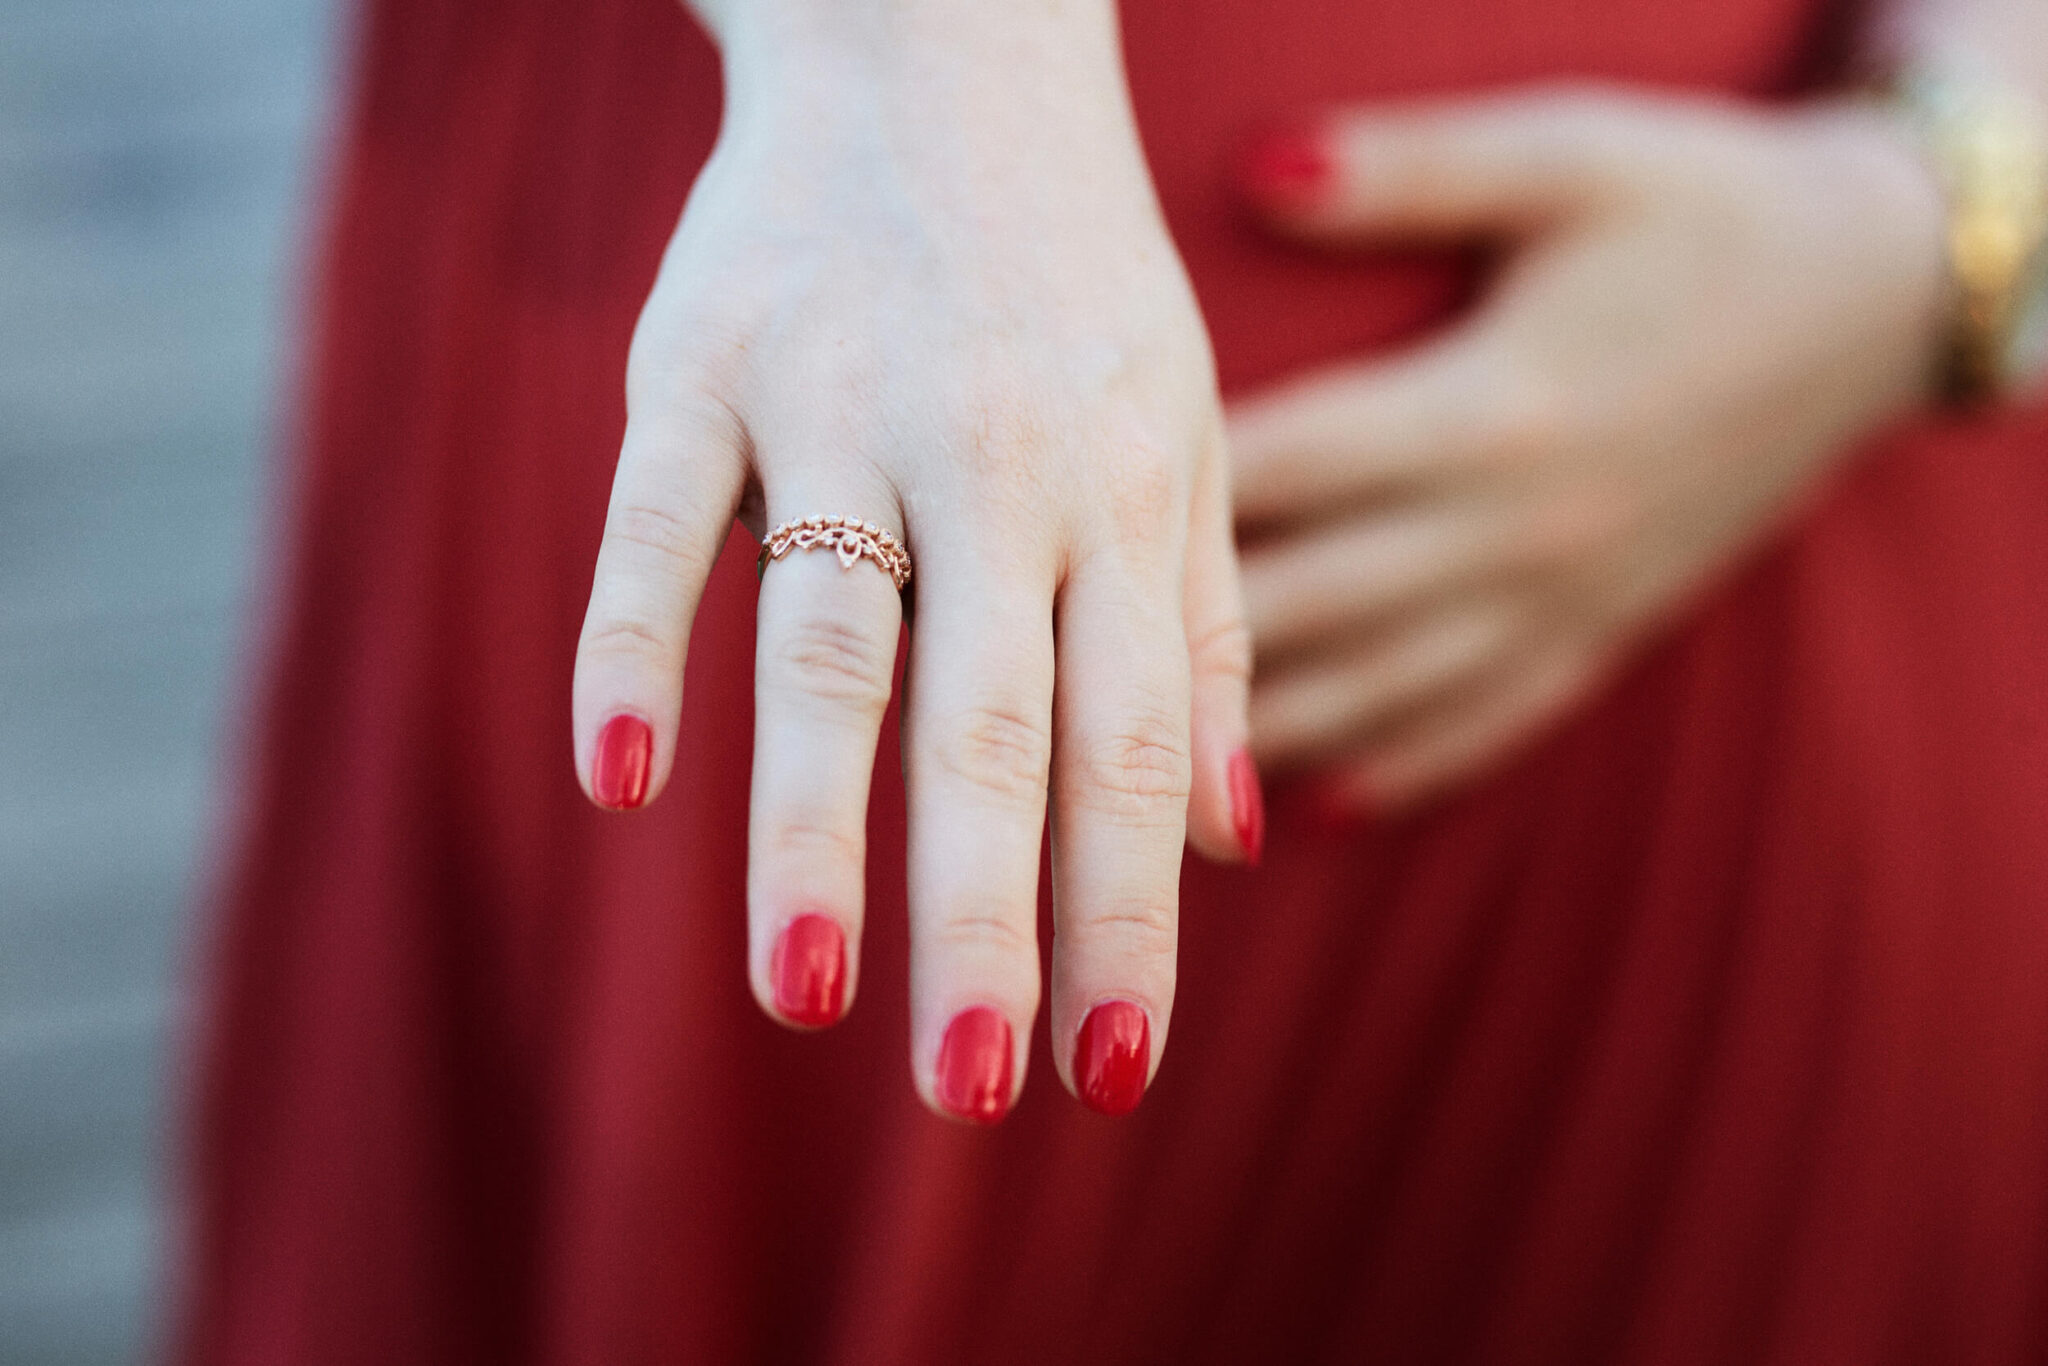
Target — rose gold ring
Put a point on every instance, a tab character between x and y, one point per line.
852	538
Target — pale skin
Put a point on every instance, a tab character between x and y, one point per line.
923	281
873	307
1704	307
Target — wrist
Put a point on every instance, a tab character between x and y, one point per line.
898	67
1983	141
1888	223
1019	117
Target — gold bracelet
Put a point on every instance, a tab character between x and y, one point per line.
1988	145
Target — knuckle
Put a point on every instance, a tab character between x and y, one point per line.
628	637
988	932
1223	651
999	749
811	839
1138	767
1143	495
685	387
833	660
657	532
1142	927
999	426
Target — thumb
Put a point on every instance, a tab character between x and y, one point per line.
1505	165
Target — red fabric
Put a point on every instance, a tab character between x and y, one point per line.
1714	1031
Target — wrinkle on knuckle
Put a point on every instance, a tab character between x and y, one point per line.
833	660
998	749
628	637
809	837
660	533
987	931
1136	769
1223	650
1143	926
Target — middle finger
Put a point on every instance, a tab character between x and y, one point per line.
977	734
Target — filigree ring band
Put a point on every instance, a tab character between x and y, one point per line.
850	537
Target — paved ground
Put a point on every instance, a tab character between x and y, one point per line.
153	177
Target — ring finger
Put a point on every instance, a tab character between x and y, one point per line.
825	655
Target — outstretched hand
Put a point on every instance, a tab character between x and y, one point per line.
930	301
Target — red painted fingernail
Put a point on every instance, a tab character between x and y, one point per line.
808	971
1247	807
1290	167
1111	1054
974	1065
618	777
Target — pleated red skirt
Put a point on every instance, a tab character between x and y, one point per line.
1716	1030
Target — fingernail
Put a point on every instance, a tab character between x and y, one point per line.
1247	807
808	971
974	1066
618	778
1290	167
1111	1054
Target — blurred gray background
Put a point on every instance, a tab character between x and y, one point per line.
158	160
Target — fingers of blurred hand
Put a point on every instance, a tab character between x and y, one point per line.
977	735
1469	733
678	481
1460	408
1121	777
1226	810
1495	166
1337	578
825	660
1302	714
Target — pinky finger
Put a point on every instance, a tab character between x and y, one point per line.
1467	735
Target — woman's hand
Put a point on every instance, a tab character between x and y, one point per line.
1700	307
923	282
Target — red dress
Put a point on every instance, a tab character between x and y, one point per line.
1716	1030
